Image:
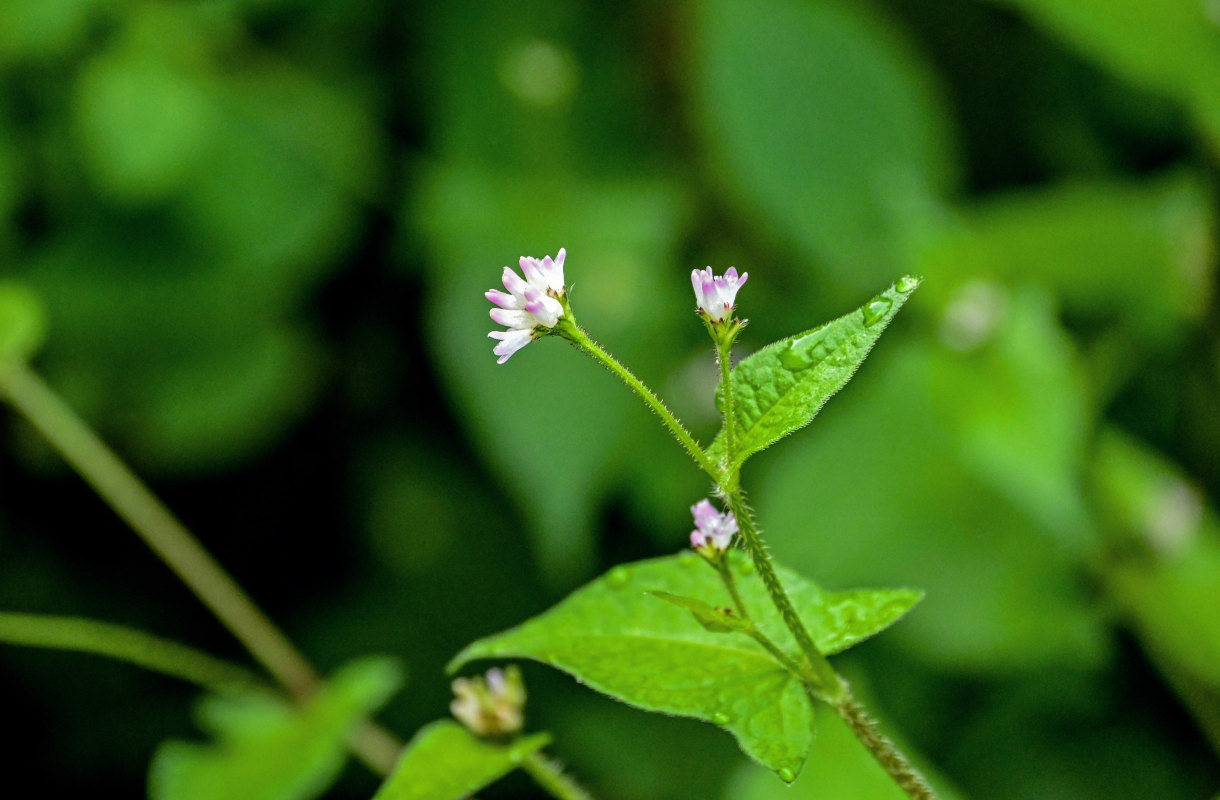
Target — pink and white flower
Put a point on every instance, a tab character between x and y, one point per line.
529	304
716	294
714	531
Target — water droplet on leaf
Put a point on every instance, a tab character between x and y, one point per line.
786	775
618	577
876	310
906	283
721	718
804	351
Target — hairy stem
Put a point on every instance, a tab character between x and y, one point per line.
551	777
887	755
724	355
577	336
826	683
102	469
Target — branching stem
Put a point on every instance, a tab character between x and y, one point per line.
114	481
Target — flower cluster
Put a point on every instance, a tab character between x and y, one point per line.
491	706
713	531
716	294
529	304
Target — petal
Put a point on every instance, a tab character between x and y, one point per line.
510	342
513	282
546	309
513	318
502	299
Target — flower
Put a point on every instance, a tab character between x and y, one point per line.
491	706
713	530
715	295
529	304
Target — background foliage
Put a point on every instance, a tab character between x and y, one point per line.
262	229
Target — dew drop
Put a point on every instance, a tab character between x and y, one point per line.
805	351
721	718
876	310
688	559
618	577
906	283
786	775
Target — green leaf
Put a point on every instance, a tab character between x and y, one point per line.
1154	509
22	322
713	620
839	767
446	762
782	387
265	749
613	636
1168	46
817	116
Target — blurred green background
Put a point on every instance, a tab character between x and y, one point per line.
262	230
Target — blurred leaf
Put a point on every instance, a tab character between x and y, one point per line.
226	405
1170	46
1137	254
23	322
266	750
1170	593
839	768
782	387
898	506
1012	393
815	113
533	418
42	28
446	762
144	125
615	637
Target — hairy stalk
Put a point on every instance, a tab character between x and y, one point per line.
730	583
125	644
551	777
826	682
577	336
724	355
102	469
887	755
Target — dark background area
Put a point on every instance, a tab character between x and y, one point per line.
262	229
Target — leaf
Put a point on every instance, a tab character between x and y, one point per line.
882	496
782	387
1168	46
446	762
266	750
713	620
817	115
1169	595
839	768
613	636
22	322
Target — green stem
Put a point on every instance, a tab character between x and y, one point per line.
551	777
826	683
125	644
724	355
726	575
577	336
98	465
887	755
